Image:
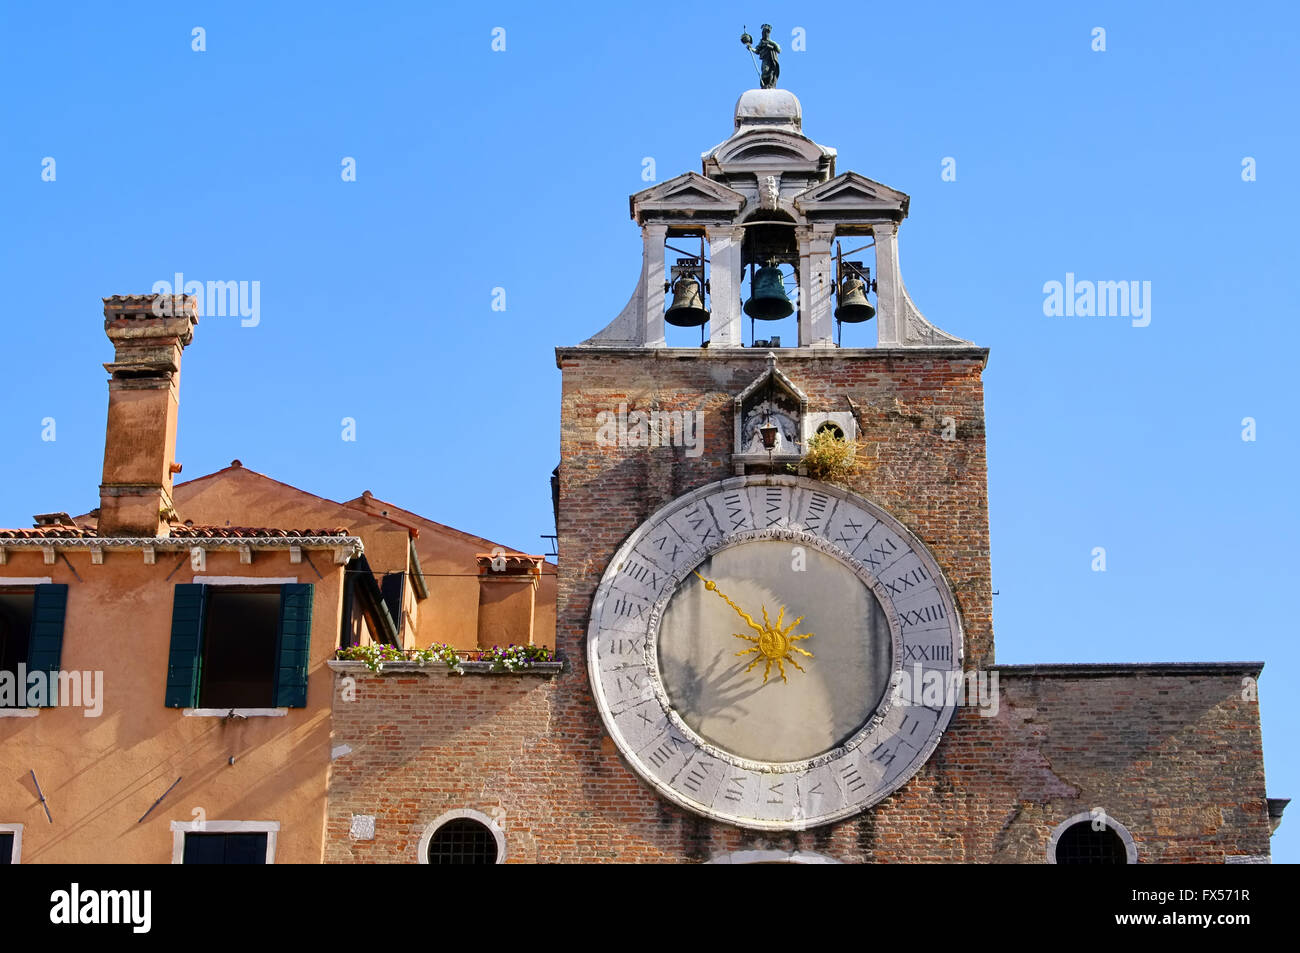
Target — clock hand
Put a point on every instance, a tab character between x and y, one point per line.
712	586
775	642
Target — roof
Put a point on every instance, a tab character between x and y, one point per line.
369	503
178	531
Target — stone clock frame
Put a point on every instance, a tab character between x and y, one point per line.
628	607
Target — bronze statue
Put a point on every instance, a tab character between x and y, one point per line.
767	51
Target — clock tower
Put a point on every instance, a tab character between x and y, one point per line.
766	535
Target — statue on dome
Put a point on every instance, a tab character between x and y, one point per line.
767	51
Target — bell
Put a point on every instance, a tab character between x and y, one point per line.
687	309
854	306
768	300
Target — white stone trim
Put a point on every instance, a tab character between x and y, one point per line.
422	849
235	712
17	581
1130	846
49	544
772	857
245	580
181	828
17	831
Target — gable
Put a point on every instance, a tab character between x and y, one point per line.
852	194
690	192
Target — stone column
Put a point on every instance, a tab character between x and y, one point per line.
816	287
724	281
654	237
889	287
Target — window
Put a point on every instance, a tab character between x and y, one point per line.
224	842
31	636
1091	838
462	837
239	646
239	641
11	843
225	848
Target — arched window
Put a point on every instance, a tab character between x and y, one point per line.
462	837
1091	837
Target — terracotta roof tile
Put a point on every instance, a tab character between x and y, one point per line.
250	532
48	532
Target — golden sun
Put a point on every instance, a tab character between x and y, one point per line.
774	644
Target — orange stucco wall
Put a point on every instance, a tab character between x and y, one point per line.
448	558
99	775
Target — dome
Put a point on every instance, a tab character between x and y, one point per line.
769	107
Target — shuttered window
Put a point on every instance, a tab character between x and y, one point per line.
31	631
233	647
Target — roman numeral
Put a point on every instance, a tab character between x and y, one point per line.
927	653
735	789
663	541
816	510
624	646
633	610
631	679
640	573
882	551
852	779
778	790
907	581
696	519
775	504
735	510
661	755
879	753
849	533
695	778
918	616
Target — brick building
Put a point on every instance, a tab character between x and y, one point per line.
865	719
164	681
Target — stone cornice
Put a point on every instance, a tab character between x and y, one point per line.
792	354
181	543
1121	669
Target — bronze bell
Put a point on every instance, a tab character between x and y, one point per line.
687	309
853	305
768	300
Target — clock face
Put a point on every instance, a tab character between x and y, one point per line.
744	642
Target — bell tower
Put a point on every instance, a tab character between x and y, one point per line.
693	493
775	218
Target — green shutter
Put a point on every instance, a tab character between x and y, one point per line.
293	646
45	642
185	661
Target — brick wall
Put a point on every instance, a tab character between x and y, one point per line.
1175	758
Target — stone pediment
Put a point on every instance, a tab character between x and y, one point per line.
690	194
852	194
769	148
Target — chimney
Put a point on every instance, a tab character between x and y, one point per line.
148	333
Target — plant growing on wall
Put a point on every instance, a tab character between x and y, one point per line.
830	457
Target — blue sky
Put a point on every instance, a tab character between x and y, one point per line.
478	170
